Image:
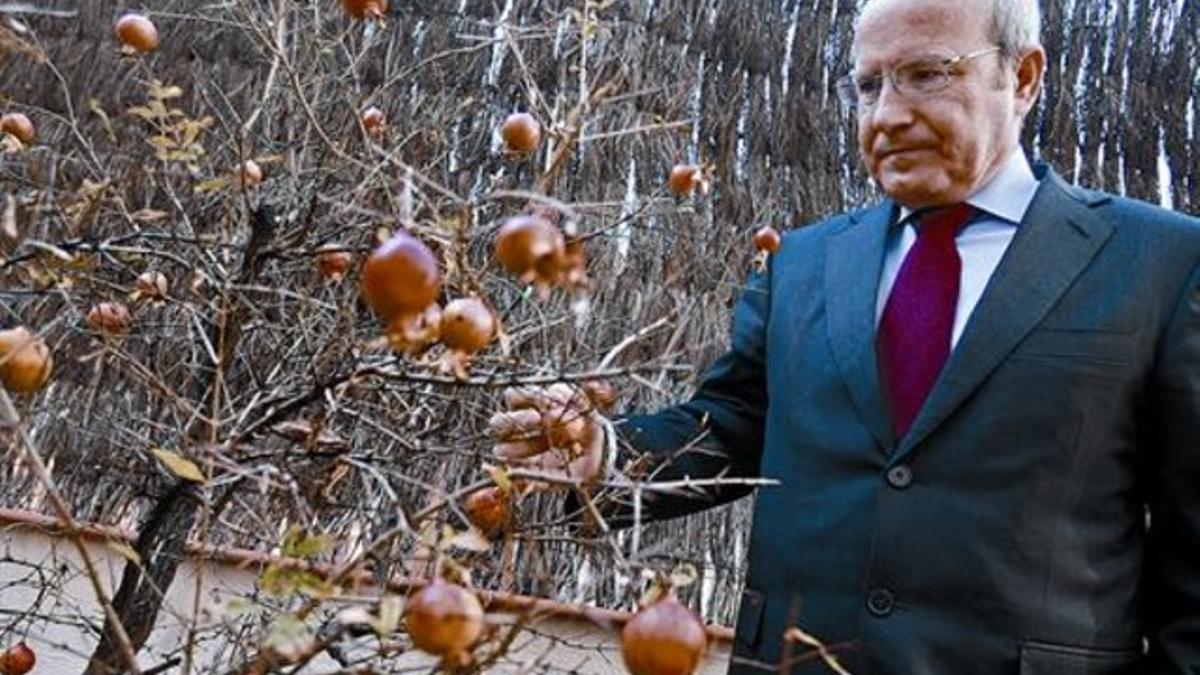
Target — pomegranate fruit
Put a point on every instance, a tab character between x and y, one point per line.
333	261
444	619
17	660
412	333
365	9
401	277
532	248
110	318
683	179
137	32
467	325
767	239
487	509
664	638
374	121
152	285
25	360
521	133
249	174
19	126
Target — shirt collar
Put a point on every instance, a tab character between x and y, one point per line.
1007	195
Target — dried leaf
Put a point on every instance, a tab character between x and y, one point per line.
500	476
148	215
178	465
391	609
9	224
124	550
470	540
211	185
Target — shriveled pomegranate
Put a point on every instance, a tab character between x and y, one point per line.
444	619
401	277
767	239
25	360
684	179
17	660
333	260
664	638
521	132
110	318
601	393
374	121
19	125
365	9
532	248
137	32
412	333
488	509
249	174
152	285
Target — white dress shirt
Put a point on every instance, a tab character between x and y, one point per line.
1002	204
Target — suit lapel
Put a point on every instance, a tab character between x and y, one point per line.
852	266
1054	244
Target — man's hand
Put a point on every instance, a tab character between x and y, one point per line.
555	429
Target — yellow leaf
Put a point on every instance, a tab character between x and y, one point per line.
500	477
211	185
124	550
178	465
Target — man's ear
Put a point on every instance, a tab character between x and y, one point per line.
1030	68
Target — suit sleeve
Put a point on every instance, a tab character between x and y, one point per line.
719	432
1172	584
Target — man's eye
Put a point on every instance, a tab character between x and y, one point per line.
920	74
869	86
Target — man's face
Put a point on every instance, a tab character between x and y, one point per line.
935	149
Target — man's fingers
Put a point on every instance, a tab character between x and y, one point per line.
518	450
518	424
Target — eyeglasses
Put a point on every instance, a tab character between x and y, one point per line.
922	77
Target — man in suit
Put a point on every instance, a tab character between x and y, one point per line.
971	394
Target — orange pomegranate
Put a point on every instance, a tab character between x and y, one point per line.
401	277
366	9
17	660
664	638
137	32
467	325
521	132
25	360
767	239
444	619
19	126
487	509
683	179
532	248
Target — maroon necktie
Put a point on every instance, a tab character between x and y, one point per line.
913	341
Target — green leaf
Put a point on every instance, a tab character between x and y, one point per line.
178	465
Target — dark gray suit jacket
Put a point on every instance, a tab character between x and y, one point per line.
1006	534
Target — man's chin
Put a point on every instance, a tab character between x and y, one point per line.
914	191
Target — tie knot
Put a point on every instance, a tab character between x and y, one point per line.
944	221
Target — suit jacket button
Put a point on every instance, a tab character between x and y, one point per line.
899	476
880	602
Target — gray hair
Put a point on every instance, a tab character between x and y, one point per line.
1016	25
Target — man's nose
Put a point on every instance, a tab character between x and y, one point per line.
892	109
